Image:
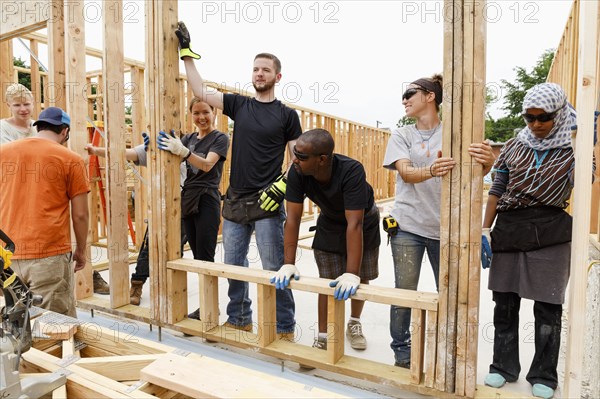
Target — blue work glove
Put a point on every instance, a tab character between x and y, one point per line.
486	248
346	284
273	195
184	42
283	277
146	140
172	144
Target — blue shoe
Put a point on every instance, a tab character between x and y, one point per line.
494	380
542	391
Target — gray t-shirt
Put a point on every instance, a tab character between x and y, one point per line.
416	205
10	133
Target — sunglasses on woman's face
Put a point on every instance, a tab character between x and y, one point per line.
411	92
545	117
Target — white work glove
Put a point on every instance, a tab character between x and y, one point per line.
172	144
282	278
346	284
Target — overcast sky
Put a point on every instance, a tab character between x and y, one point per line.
346	58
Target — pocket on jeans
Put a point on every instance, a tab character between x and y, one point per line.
61	298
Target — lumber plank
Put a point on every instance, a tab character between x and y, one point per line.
430	349
222	380
267	320
56	87
209	301
384	295
22	17
336	316
417	349
114	126
587	74
118	368
176	295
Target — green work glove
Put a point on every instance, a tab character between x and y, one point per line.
273	195
184	42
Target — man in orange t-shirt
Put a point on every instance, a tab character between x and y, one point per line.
40	179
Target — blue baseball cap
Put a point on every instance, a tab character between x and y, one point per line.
54	116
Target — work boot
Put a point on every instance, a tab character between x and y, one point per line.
100	286
135	292
355	335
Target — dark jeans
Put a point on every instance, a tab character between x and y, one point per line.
202	228
506	340
142	267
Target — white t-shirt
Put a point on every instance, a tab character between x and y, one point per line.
416	205
9	133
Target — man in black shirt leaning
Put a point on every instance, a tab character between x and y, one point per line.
253	203
346	243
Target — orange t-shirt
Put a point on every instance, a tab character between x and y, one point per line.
39	179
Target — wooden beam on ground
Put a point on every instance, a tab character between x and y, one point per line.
118	368
77	110
586	102
162	74
114	129
24	16
223	380
55	89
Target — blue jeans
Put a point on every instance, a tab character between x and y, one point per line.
269	239
407	252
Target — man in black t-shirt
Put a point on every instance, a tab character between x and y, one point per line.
346	243
263	127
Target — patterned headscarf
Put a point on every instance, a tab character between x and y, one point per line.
551	98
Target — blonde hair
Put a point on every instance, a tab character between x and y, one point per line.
17	90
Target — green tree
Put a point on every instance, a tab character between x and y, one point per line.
515	91
406	120
24	78
503	128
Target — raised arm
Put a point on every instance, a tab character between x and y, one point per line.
214	98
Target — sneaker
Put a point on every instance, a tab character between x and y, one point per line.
194	315
542	391
355	335
100	286
495	380
319	343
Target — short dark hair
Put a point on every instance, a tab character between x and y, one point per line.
271	57
321	141
48	126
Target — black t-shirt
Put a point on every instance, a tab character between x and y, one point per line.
216	142
347	190
261	132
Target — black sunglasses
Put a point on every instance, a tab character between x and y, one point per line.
300	155
411	92
545	117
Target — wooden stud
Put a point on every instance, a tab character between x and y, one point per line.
336	327
6	73
209	301
177	295
267	320
55	91
430	348
116	184
417	349
586	98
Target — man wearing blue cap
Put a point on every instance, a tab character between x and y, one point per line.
41	179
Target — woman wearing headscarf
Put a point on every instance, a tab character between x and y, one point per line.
414	151
531	239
